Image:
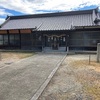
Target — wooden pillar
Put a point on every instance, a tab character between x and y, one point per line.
3	39
8	38
42	39
20	38
36	40
31	37
67	42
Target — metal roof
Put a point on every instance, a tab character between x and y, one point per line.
63	22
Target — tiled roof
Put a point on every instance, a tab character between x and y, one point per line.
99	19
64	22
99	14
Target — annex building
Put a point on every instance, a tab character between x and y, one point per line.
73	30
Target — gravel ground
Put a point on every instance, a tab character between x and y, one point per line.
7	58
75	79
21	80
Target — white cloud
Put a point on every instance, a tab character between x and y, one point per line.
31	6
99	7
4	13
37	6
1	20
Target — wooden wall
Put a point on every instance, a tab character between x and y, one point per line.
15	31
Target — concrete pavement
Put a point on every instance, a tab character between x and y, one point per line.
21	80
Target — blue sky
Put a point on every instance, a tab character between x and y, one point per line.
20	7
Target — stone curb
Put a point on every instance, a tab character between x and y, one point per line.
43	86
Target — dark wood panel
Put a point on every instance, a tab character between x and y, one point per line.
3	31
13	31
25	31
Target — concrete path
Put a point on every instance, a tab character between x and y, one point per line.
21	80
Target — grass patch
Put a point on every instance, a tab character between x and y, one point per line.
79	63
93	91
84	63
89	78
17	55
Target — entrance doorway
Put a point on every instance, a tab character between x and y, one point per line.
55	43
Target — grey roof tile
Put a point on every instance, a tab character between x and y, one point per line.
99	19
50	23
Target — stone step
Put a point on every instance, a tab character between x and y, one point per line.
49	49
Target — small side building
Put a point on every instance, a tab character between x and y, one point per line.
74	30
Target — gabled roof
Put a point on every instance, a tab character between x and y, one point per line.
50	21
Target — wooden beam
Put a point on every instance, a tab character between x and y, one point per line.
25	31
13	31
8	38
20	39
3	31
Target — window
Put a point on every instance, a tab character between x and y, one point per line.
12	40
5	39
1	39
17	39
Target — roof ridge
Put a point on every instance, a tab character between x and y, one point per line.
52	14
